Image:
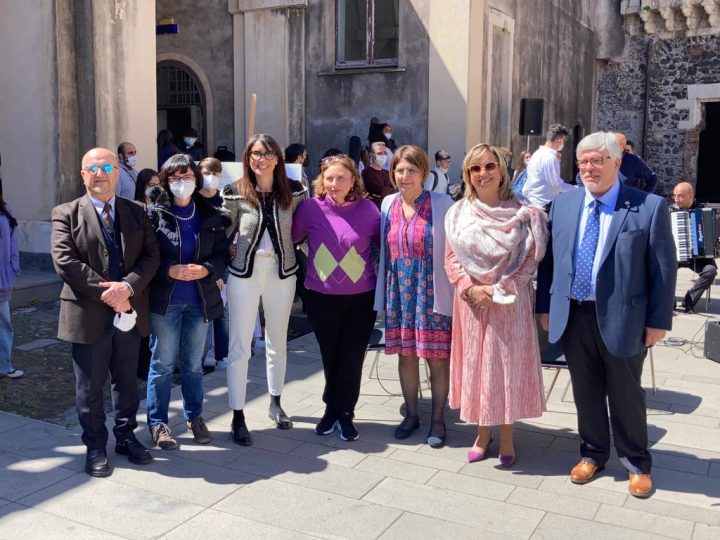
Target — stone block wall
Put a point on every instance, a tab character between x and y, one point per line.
637	94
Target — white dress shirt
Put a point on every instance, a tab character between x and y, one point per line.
442	182
606	210
543	182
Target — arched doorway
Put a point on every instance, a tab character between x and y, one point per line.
181	102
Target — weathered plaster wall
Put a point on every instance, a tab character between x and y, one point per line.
555	47
206	36
340	104
28	101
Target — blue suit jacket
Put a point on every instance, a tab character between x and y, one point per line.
635	285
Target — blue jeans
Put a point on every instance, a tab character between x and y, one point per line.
180	332
6	338
221	335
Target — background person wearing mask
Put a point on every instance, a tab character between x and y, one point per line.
146	180
375	177
211	170
127	158
191	145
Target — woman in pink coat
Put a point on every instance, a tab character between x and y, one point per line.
494	244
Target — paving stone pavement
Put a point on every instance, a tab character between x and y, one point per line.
295	484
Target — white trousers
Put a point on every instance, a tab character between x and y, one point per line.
244	296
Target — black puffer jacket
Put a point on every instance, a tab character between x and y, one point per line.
211	251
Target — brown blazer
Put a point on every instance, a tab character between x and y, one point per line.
80	256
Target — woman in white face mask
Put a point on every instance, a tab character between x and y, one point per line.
217	349
211	170
183	294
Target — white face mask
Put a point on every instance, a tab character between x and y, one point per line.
210	181
559	148
380	159
190	140
182	190
443	170
527	160
131	161
388	135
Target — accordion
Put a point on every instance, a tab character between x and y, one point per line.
695	232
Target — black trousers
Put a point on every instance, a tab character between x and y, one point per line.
600	379
706	270
342	326
115	352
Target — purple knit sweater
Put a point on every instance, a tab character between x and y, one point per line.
339	238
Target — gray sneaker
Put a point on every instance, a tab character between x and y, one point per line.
162	437
14	374
199	429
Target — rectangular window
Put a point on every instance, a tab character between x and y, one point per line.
367	33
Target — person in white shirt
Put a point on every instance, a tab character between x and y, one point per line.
438	180
127	159
543	171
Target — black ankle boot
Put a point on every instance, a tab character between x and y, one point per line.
240	432
277	415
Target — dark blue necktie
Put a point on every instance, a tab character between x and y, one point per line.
581	286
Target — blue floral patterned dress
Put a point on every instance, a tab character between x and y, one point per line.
412	328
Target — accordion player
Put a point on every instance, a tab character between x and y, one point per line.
695	232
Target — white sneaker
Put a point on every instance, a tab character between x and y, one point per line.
14	374
209	361
221	364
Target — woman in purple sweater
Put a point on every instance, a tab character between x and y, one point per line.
340	226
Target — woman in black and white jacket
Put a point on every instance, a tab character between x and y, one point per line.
260	206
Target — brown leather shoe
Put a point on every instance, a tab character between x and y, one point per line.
641	485
583	472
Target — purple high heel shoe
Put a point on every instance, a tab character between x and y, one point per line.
507	461
474	456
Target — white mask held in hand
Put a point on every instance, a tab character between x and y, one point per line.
182	190
131	161
189	140
125	321
210	181
380	159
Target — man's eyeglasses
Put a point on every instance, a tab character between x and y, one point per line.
330	159
595	162
107	168
489	167
268	154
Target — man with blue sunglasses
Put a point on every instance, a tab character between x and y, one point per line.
105	250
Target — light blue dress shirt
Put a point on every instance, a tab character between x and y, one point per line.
606	210
99	205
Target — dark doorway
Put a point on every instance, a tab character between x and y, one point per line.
708	170
180	101
578	134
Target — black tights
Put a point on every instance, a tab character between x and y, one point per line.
409	371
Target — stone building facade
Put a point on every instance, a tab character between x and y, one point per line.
663	89
85	73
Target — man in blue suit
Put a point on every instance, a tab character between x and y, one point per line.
606	290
